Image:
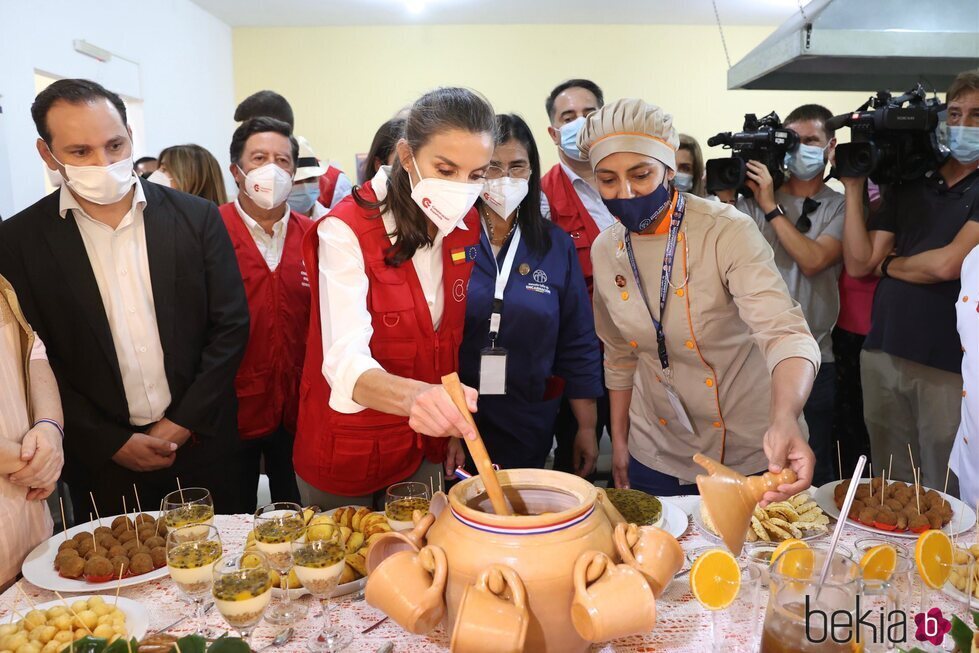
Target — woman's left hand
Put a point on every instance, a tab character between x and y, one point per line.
785	447
456	457
585	452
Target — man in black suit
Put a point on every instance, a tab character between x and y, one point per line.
135	290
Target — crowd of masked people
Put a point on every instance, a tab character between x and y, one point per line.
151	329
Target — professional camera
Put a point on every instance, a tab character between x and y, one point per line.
764	140
891	142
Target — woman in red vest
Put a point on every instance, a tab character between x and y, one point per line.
389	273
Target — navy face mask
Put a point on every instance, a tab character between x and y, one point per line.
637	213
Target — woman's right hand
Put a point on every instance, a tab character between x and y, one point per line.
433	413
620	466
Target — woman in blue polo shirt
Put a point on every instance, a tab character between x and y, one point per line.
529	335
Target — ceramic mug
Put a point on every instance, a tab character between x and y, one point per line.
409	587
487	621
651	550
610	600
385	546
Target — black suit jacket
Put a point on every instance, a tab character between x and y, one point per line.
201	312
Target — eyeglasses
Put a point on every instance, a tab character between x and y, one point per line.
808	206
519	170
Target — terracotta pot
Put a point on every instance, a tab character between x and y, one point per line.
540	548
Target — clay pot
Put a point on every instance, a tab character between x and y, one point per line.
540	548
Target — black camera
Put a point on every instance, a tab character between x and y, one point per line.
891	142
764	140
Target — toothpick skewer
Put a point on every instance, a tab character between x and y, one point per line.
431	484
181	490
73	613
911	456
95	544
890	465
24	594
882	486
139	506
97	516
118	584
64	522
125	511
917	495
13	608
839	459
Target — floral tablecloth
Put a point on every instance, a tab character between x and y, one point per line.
682	624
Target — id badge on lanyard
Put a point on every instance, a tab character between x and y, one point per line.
493	359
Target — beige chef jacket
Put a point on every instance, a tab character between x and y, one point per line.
729	322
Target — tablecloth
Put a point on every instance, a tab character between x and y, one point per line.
682	624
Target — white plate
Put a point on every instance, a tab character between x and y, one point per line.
675	521
38	567
963	517
698	520
137	618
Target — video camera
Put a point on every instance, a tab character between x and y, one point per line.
764	140
891	143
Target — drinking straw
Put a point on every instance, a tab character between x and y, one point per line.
840	523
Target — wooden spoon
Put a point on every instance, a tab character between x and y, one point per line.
477	449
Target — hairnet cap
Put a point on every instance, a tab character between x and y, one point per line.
629	125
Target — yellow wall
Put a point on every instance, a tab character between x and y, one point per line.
343	82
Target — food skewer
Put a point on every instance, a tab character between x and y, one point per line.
890	466
24	594
97	516
839	459
73	613
179	489
917	495
911	456
95	545
64	522
13	608
125	511
882	487
139	506
119	584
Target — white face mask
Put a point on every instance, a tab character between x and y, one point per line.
268	185
161	178
445	202
504	195
101	184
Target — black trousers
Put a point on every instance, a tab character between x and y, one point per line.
276	449
849	427
566	428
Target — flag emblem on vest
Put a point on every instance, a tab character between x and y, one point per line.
462	255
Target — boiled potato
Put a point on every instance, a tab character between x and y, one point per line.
79	606
86	619
100	609
47	633
80	632
7	629
62	622
34	619
15	641
64	636
56	611
105	631
51	647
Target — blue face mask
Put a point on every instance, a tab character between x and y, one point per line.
303	196
637	213
964	143
569	139
806	162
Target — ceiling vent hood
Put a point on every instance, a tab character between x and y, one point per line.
865	45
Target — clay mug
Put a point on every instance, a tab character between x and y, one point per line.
409	587
651	550
610	600
488	620
385	546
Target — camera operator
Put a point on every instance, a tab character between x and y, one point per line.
916	242
803	222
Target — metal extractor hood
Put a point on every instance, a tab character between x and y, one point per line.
865	45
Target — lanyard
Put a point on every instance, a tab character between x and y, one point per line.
502	276
664	287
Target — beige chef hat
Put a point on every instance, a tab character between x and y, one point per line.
629	125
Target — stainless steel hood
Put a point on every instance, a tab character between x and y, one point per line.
865	45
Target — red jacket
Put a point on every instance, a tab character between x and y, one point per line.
570	214
359	453
328	185
267	383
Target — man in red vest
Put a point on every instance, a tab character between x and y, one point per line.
267	237
570	200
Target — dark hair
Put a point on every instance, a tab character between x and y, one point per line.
964	82
533	227
257	126
811	112
144	159
690	144
382	146
586	84
437	111
73	91
266	103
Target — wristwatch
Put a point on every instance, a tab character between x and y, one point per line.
774	213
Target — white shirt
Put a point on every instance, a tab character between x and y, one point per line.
269	245
964	460
590	199
122	270
345	320
342	188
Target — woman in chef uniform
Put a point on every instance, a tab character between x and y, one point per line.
704	349
389	269
530	333
964	460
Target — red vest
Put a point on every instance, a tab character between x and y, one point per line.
328	185
360	453
570	214
267	382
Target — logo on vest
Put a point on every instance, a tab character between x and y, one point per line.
304	278
539	283
459	290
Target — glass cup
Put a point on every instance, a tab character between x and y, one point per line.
734	629
277	526
242	590
402	500
318	566
190	560
190	506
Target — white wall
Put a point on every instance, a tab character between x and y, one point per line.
183	74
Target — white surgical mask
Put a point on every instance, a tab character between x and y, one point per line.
268	185
101	184
504	195
445	202
303	196
683	181
161	178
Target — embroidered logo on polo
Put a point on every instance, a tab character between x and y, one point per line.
459	290
539	283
